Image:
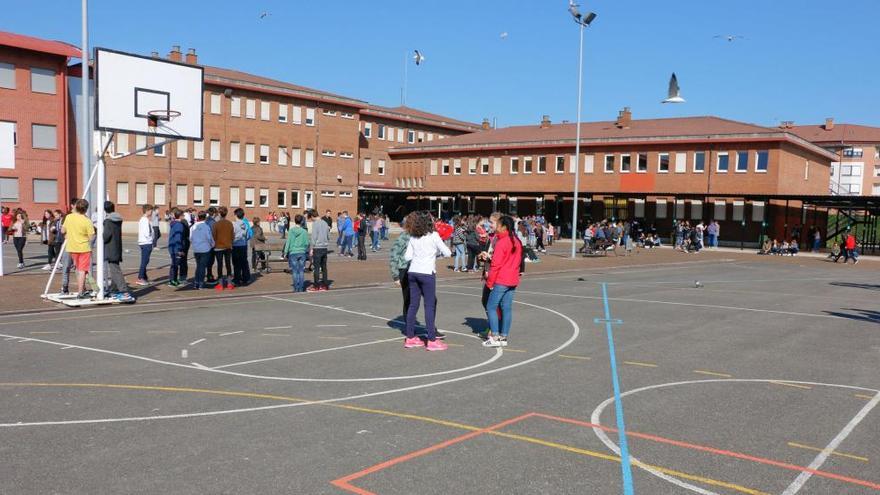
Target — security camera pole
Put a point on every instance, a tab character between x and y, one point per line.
582	21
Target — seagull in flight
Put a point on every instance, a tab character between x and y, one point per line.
729	37
674	94
504	35
264	15
418	57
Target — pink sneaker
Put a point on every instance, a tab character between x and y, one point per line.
436	345
413	342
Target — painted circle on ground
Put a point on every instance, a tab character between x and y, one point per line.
597	413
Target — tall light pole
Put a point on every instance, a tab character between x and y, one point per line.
582	21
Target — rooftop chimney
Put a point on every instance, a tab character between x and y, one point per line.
786	124
175	54
545	122
829	123
191	57
624	118
486	126
154	54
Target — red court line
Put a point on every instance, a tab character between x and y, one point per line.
345	482
711	450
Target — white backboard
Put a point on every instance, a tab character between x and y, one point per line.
128	86
7	145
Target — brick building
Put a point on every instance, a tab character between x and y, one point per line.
659	170
856	171
34	97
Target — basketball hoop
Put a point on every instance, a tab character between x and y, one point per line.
154	116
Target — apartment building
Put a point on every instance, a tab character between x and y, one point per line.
34	102
856	171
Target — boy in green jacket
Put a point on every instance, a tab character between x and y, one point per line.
295	249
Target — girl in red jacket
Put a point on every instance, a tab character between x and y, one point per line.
502	281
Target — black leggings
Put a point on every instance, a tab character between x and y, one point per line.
51	253
539	241
18	242
221	256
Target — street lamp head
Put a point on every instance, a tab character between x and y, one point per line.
588	19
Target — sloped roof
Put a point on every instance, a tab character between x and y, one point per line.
840	133
38	44
704	128
408	114
219	75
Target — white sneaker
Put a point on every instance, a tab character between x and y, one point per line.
491	342
47	267
20	266
502	341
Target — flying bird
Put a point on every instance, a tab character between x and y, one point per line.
418	57
264	15
504	35
729	37
674	94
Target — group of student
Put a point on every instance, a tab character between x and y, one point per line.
784	248
15	224
848	250
351	230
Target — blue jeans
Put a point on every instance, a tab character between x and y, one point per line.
146	249
346	244
376	239
297	263
174	270
713	240
421	285
502	296
202	260
460	261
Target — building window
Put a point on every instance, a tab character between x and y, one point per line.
368	130
381	132
158	194
400	135
140	193
234	152
484	166
215	150
609	164
639	208
294	199
742	161
514	166
158	149
7	76
527	165
310	158
851	170
182	148
235	106
346	154
738	207
234	198
696	210
8	189
264	197
433	167
542	164
42	80
297	115
140	144
642	163
380	167
330	153
625	163
853	152
249	151
282	155
295	157
214	195
199	150
122	193
346	115
282	113
310	116
329	113
660	209
560	164
679	209
281	198
345	194
250	108
762	159
44	137
182	195
309	197
496	166
430	136
445	169
328	194
757	211
264	110
589	164
472	166
249	197
720	211
663	163
198	195
264	154
456	167
121	146
680	163
699	161
410	136
368	165
215	104
723	163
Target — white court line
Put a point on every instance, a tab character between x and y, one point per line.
197	341
829	449
230	333
283	327
67	347
306	353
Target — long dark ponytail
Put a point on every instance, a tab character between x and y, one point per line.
509	224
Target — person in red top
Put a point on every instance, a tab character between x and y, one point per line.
502	281
6	219
849	247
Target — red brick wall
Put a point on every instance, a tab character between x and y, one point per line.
25	107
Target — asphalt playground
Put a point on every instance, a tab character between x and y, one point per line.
764	380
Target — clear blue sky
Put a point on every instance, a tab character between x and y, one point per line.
802	60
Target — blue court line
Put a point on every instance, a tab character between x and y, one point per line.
625	463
